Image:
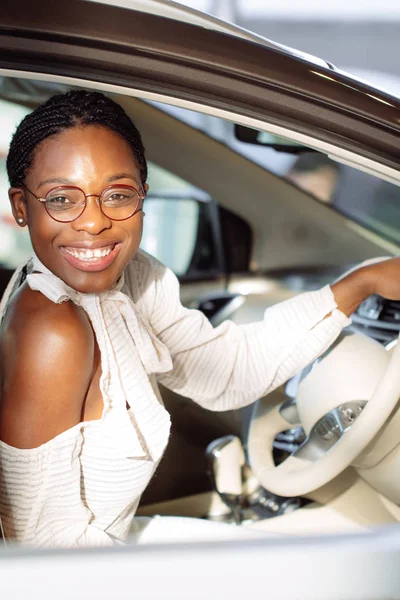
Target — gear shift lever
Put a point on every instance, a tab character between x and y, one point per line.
225	458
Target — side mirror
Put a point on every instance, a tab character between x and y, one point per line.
180	230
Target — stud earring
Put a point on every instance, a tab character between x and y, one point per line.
20	221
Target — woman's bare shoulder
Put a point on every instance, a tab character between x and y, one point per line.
46	354
33	319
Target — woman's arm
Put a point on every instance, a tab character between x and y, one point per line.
47	361
231	366
381	278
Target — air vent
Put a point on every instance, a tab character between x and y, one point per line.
378	318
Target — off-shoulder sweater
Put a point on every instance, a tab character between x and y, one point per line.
82	488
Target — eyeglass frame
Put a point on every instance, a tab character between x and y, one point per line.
142	196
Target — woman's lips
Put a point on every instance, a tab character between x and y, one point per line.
91	259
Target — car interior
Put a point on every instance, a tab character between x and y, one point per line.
321	453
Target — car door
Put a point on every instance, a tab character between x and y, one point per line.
136	54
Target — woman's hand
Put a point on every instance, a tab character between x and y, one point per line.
381	278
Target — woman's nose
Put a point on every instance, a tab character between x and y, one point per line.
92	220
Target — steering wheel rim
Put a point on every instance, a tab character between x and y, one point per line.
297	475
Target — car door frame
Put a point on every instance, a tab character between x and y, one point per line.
137	51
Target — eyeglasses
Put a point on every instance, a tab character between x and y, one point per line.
66	203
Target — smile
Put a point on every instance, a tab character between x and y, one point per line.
91	259
89	255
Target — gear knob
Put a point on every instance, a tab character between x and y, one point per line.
225	457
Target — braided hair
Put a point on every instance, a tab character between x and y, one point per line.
64	111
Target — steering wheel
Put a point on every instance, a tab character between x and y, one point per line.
342	403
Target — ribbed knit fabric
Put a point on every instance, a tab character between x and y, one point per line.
82	488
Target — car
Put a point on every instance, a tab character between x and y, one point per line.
241	238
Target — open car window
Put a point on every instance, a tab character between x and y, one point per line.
181	228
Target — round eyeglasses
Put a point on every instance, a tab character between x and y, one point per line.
118	202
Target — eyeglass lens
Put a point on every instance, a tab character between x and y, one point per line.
117	203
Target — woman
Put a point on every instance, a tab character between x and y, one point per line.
91	324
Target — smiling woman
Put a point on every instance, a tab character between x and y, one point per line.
91	324
67	239
53	164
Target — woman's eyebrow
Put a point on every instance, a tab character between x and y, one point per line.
61	180
117	176
64	181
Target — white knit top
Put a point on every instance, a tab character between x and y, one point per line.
82	488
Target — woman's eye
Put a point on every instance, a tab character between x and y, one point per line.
116	197
59	203
59	200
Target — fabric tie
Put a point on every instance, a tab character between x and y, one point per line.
120	328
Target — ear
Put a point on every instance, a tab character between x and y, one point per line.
146	188
18	205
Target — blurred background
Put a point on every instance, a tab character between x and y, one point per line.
358	36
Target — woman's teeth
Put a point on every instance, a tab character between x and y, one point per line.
89	254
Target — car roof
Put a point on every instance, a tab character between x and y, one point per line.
169	9
173	10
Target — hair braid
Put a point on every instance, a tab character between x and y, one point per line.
62	112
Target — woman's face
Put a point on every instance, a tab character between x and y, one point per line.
91	158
